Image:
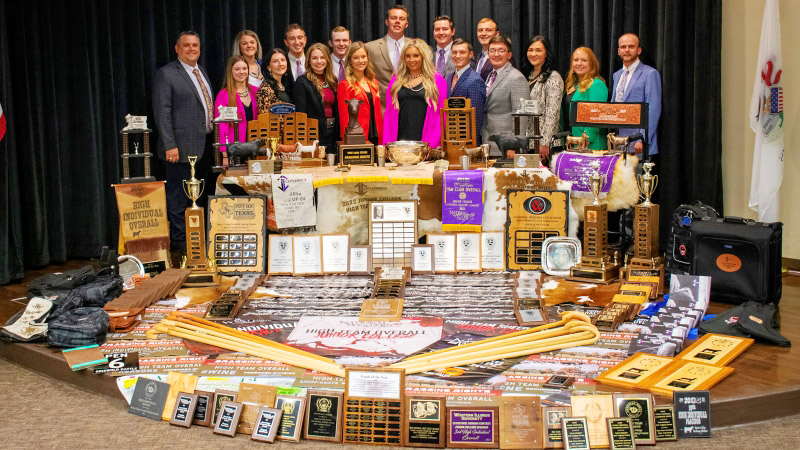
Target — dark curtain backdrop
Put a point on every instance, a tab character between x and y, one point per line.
72	70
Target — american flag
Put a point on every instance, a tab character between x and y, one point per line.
776	100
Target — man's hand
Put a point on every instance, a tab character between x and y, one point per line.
172	155
637	147
544	151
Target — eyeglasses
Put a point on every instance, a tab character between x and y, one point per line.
498	50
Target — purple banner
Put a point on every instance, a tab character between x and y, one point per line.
462	200
472	426
575	167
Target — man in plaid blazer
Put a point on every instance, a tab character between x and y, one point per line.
465	82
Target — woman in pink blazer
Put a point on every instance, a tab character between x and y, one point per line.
415	98
236	92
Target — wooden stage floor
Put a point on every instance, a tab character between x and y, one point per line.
764	385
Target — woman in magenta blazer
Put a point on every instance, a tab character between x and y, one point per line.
415	98
236	92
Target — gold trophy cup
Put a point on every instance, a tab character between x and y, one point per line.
196	253
273	146
193	188
646	263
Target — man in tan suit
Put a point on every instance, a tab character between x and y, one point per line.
384	53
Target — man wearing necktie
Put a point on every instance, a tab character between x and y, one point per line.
443	31
638	82
465	82
295	41
505	86
340	40
384	53
183	110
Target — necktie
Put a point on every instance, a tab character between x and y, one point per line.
621	86
481	60
300	70
341	70
455	80
490	80
206	96
396	54
440	62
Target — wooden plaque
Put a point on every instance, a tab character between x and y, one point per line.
374	406
356	154
253	397
458	128
422	259
228	420
609	115
692	414
291	425
688	376
715	349
620	433
220	396
473	427
324	416
425	422
392	232
196	254
267	424
576	433
639	408
360	262
520	422
664	417
205	407
595	409
183	413
634	372
533	216
237	231
381	310
553	436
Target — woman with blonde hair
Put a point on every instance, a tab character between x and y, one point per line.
315	94
584	84
415	98
247	44
360	84
238	93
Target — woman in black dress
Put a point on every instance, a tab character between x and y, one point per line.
314	93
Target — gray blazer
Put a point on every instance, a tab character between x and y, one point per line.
178	110
503	99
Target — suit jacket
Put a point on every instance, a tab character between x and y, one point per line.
346	93
226	129
179	113
502	99
308	100
644	86
470	85
432	125
449	65
378	51
487	66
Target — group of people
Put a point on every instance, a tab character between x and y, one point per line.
402	84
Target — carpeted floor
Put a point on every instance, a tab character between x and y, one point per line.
37	412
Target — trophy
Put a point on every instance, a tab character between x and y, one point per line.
354	134
646	261
458	128
229	115
136	125
577	143
355	149
596	265
196	256
273	146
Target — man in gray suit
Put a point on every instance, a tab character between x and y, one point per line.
443	31
183	110
384	53
505	85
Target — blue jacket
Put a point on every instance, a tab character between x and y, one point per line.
471	86
644	86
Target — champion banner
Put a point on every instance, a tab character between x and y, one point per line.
766	119
575	167
462	200
293	195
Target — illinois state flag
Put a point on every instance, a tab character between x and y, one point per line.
2	123
766	119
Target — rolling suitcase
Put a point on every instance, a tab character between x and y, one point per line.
742	257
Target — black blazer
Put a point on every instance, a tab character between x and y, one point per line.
178	110
308	100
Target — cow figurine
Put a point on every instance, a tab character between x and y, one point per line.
240	152
506	142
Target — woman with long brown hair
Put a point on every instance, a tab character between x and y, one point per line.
315	94
360	84
415	97
584	84
272	89
235	92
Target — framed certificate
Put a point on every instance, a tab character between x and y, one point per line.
307	255
444	252
360	262
280	256
468	252
493	250
422	259
335	253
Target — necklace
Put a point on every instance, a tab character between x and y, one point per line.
414	77
244	94
418	87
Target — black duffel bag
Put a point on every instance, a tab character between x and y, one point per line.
60	283
742	257
78	327
679	251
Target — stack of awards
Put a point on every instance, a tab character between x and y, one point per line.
646	263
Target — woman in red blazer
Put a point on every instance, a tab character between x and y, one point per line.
360	83
236	92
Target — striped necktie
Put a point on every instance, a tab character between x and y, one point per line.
209	108
490	81
621	86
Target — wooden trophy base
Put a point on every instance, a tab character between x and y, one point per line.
595	270
649	270
236	171
202	278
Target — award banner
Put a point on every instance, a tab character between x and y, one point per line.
237	231
462	200
293	197
326	335
142	215
575	167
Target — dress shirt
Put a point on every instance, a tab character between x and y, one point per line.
630	69
446	55
484	58
391	43
335	60
190	70
293	64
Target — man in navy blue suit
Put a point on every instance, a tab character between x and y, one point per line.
638	82
465	82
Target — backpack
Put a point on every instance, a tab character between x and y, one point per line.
679	249
60	283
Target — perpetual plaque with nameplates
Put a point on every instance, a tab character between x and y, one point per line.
458	128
